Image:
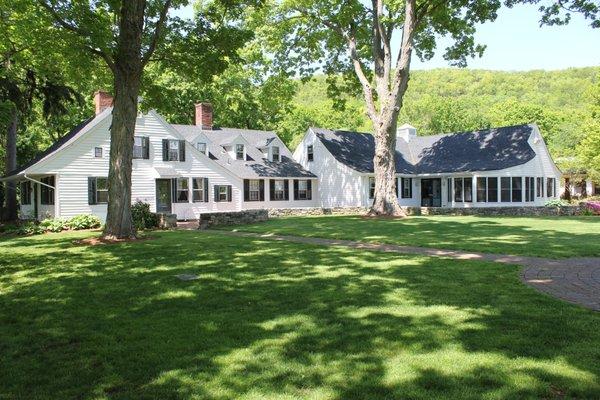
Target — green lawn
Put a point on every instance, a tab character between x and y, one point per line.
279	320
551	237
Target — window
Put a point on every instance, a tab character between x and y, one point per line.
182	190
173	150
505	189
539	187
239	151
529	188
47	193
278	190
458	189
97	190
25	195
222	193
141	147
517	189
449	190
468	188
201	146
550	187
254	190
371	187
275	153
492	190
199	189
309	152
406	188
98	152
303	191
481	190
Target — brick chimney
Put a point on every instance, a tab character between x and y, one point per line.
102	100
204	116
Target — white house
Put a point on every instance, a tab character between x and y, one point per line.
508	166
181	169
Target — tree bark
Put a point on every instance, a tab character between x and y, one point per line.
385	201
127	77
10	164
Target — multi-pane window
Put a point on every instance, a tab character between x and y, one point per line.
25	194
505	189
275	153
101	190
492	190
550	187
279	190
173	150
371	187
539	186
201	146
254	190
529	188
98	152
239	151
449	197
141	147
198	189
463	189
182	190
303	190
458	189
481	190
517	189
47	191
309	152
222	193
406	188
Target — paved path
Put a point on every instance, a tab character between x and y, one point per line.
576	280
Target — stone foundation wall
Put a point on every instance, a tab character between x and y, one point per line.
208	220
499	211
299	212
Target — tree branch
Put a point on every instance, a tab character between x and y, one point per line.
157	32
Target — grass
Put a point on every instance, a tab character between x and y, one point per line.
552	237
279	320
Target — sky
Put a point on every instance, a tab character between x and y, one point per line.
516	42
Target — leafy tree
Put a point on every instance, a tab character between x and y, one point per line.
127	35
559	12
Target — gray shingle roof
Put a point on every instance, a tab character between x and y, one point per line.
484	150
255	165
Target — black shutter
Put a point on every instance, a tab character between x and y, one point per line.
229	193
165	147
206	190
309	189
271	189
286	189
261	190
216	189
174	190
398	182
246	189
295	189
146	148
182	150
410	187
91	190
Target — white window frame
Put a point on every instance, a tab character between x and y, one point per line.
371	187
237	151
201	146
173	151
222	193
279	192
275	155
310	153
199	189
303	189
253	189
98	150
182	189
138	147
104	191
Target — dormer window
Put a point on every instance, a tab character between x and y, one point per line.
275	153
201	146
309	152
239	151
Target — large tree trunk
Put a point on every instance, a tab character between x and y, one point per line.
385	201
127	72
10	164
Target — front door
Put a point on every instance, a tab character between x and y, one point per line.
431	192
163	196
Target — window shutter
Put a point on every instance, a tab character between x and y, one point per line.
286	189
182	150
246	189
295	189
261	190
410	187
398	182
216	194
206	190
146	148
309	189
271	189
174	190
165	148
91	190
229	193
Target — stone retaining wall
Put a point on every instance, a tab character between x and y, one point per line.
208	220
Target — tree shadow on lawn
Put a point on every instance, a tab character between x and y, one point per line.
538	236
273	319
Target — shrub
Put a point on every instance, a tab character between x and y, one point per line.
54	225
84	221
143	218
556	203
22	228
591	208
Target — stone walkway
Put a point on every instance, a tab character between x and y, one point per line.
576	280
